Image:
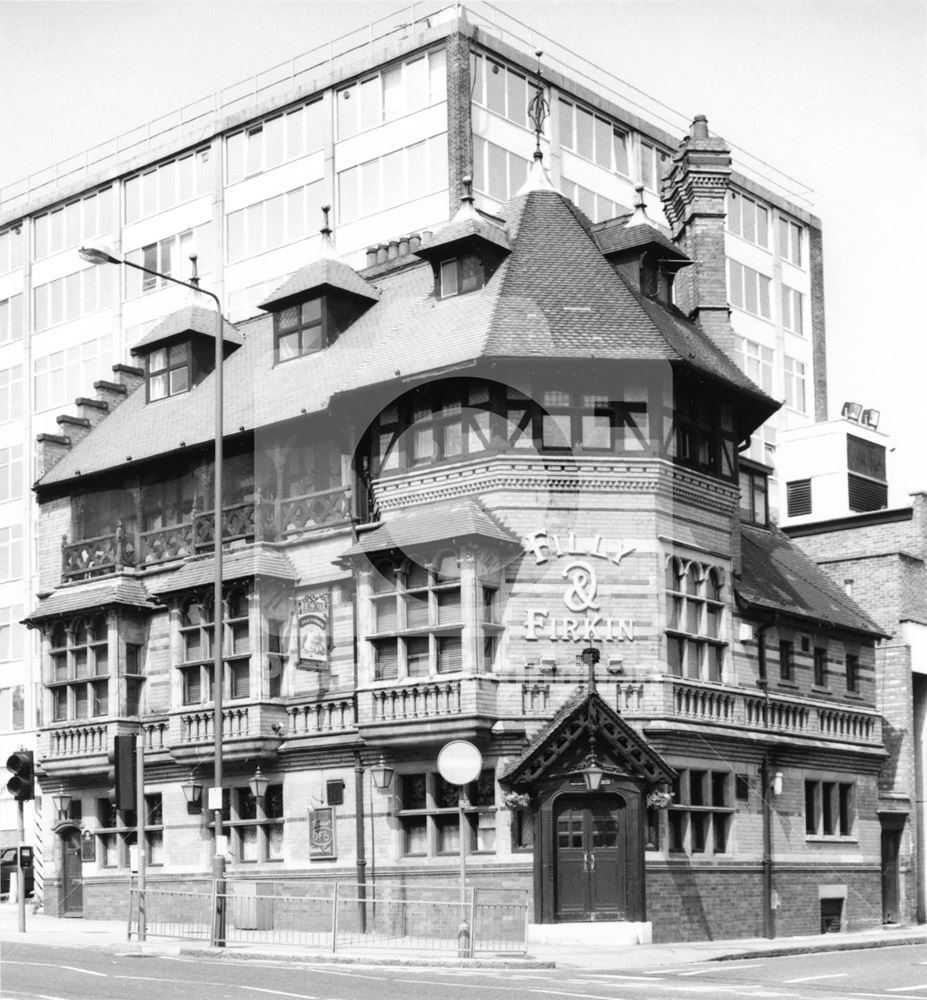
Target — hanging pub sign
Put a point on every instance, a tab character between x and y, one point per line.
313	615
581	560
322	833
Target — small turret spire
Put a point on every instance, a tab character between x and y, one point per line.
639	216
327	248
538	109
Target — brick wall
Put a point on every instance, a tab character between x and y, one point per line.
818	333
459	128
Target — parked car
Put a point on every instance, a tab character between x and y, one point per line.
8	866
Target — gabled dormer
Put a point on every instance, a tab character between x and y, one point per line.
637	248
181	351
317	304
464	254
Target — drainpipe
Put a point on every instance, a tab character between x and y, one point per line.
762	682
359	840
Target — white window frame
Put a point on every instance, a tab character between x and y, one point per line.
251	143
744	281
792	304
153	194
795	374
747	218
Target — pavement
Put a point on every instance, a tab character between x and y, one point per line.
110	935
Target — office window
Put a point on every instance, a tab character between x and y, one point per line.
11	633
792	305
300	329
852	668
497	172
795	385
69	225
654	163
11	472
594	138
170	256
12	709
503	91
284	137
11	393
798	497
830	808
168	371
694	640
280	220
820	667
79	294
11	319
747	219
393	179
701	813
196	633
79	669
11	552
254	826
400	89
594	206
790	241
159	188
428	814
748	289
11	249
61	377
756	361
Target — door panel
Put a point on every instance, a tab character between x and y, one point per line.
590	844
72	901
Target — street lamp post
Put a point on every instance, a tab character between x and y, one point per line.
99	254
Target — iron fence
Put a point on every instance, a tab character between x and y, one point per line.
338	916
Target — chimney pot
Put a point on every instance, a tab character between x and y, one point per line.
393	250
403	245
371	256
700	127
382	251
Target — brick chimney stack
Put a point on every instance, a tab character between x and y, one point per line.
694	196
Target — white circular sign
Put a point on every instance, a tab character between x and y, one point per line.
459	762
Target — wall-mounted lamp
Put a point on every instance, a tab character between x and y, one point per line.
381	774
61	801
776	783
193	793
258	784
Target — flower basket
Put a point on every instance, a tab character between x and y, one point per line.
516	800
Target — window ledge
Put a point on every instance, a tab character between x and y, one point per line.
827	838
791	685
817	689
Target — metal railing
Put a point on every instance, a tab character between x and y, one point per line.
200	118
337	916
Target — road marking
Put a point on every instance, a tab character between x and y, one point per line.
51	965
277	993
808	979
719	967
901	989
646	978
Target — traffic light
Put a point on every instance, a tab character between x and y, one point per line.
122	773
22	784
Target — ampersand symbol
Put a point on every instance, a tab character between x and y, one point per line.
580	596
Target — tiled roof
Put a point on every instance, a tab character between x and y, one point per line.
189	319
92	596
325	273
254	561
615	238
467	228
778	576
554	295
545	732
437	522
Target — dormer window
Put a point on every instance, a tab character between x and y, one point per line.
169	371
460	275
301	329
754	494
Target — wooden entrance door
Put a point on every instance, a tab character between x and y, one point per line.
891	846
590	834
72	899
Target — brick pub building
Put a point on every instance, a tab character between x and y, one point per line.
489	489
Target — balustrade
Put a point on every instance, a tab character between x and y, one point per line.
76	740
197	727
535	698
321	717
703	703
422	700
251	520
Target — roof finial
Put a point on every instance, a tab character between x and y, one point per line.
538	109
328	244
639	216
467	182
